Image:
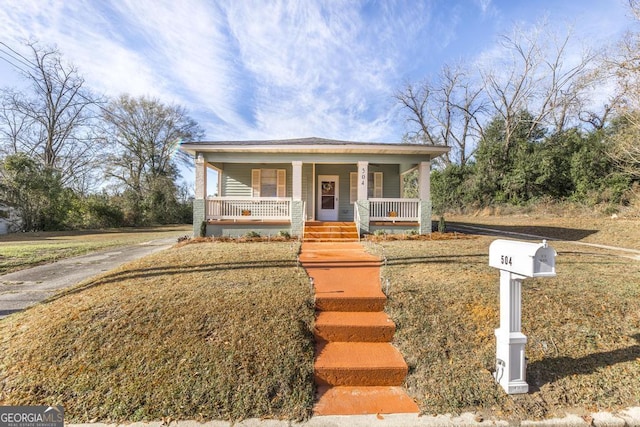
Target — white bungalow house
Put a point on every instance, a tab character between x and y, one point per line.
272	186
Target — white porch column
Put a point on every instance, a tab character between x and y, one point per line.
424	193
363	180
296	177
424	180
201	178
199	208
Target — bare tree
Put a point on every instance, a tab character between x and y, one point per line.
447	111
460	111
14	126
564	91
537	74
510	85
53	122
624	147
416	100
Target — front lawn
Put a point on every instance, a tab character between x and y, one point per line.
219	330
583	329
203	331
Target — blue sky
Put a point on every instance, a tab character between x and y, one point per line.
260	69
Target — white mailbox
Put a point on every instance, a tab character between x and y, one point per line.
516	261
523	258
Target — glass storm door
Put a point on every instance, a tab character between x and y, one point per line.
328	197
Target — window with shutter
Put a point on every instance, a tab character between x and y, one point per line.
269	182
255	182
377	184
353	187
281	183
374	187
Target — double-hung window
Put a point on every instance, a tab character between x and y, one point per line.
269	182
374	186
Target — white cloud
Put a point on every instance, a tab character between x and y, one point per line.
85	39
277	69
318	68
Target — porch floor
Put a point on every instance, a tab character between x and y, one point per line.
247	221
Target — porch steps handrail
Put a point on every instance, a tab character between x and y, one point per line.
382	209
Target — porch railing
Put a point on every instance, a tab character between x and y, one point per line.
256	208
394	210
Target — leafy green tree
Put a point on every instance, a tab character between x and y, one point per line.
35	191
624	143
144	136
554	169
506	173
448	188
95	211
589	166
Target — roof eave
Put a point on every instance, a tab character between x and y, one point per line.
416	149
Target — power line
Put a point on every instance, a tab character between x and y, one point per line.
8	61
24	61
17	55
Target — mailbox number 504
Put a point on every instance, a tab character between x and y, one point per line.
506	260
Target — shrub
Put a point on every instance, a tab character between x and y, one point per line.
284	233
442	226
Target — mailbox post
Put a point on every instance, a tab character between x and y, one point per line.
516	261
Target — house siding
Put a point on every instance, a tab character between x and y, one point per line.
390	179
236	178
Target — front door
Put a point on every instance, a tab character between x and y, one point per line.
328	197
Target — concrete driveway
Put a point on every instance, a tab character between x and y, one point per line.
25	288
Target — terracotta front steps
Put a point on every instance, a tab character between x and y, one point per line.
337	326
357	370
318	231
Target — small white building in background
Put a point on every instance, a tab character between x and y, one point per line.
9	220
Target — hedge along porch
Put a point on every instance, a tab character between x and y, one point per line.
278	185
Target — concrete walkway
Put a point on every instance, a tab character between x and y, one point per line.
628	417
25	288
356	368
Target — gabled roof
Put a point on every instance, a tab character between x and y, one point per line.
310	146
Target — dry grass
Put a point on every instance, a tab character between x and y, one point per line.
623	232
203	331
222	330
23	250
583	329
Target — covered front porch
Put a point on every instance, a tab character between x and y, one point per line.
272	187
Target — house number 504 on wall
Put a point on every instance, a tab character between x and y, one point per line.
363	176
